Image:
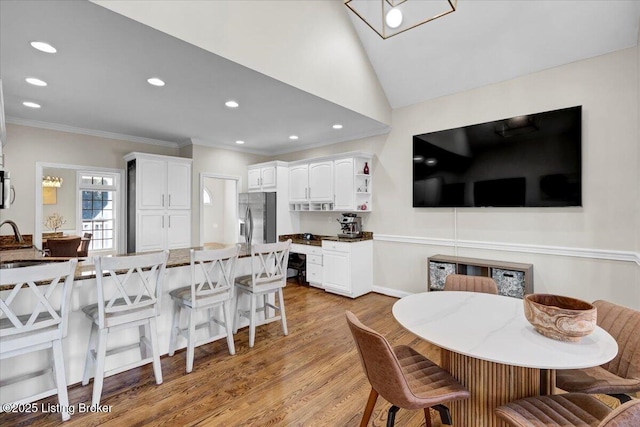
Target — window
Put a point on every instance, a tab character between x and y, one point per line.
98	196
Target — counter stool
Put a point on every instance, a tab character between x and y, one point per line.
129	293
212	278
43	327
268	276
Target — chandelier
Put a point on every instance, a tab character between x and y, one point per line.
52	181
392	17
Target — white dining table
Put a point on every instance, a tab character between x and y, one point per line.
489	346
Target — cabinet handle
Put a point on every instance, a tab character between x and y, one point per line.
309	192
163	202
169	200
162	221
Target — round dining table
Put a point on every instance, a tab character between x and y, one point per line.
488	345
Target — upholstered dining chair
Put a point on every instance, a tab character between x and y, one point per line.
64	247
568	410
621	375
38	323
462	282
402	376
212	280
129	292
268	276
83	249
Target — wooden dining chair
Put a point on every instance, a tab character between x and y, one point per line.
129	294
620	376
268	276
212	280
402	376
65	247
462	282
568	410
45	290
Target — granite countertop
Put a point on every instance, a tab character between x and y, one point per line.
86	269
317	239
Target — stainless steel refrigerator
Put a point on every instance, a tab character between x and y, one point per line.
257	212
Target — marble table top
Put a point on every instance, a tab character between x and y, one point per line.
493	328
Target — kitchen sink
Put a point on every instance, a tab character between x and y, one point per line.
27	262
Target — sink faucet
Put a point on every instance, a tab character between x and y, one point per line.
16	232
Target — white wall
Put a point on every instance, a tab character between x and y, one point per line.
602	237
220	221
282	39
28	145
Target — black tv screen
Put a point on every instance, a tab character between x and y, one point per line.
533	160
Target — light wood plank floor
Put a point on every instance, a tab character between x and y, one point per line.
312	377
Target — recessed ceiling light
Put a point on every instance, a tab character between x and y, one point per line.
232	104
155	81
337	126
31	104
239	142
293	137
35	82
394	18
44	47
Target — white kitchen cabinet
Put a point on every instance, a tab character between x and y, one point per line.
313	256
298	183
347	267
158	202
332	183
261	178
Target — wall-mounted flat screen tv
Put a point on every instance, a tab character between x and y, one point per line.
532	160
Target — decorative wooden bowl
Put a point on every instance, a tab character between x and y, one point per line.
558	317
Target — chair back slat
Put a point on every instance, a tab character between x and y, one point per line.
269	262
217	271
40	295
137	281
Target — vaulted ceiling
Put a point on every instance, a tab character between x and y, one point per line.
97	80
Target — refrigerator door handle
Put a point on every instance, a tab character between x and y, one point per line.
250	233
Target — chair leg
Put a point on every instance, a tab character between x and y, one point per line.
427	417
89	360
142	330
61	382
368	410
267	311
391	418
98	377
175	328
153	337
236	314
282	313
445	414
226	310
252	320
212	323
191	339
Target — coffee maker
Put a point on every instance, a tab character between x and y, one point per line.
351	225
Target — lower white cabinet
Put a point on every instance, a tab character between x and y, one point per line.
347	267
159	230
313	255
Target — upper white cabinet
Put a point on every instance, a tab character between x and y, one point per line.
162	182
334	183
158	202
262	178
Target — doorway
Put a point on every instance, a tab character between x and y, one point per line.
219	209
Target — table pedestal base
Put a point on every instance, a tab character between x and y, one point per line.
491	385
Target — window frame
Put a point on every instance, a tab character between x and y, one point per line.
115	189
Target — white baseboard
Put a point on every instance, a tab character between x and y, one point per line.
390	292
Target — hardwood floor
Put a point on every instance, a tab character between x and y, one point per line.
312	377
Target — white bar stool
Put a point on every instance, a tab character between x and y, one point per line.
132	300
43	328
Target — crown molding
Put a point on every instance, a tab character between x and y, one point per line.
91	132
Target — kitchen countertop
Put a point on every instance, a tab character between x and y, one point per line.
317	239
85	268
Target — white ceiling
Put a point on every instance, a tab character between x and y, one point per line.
97	80
485	42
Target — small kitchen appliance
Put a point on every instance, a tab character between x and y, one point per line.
351	225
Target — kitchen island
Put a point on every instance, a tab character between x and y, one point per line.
84	293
